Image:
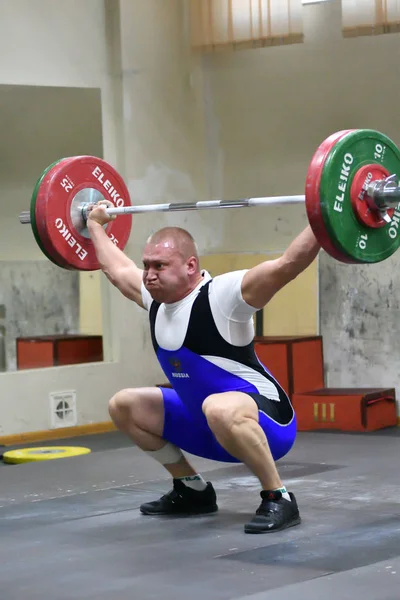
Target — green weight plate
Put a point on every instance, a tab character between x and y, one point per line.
313	202
33	214
356	239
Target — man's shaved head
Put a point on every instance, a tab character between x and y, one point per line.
180	239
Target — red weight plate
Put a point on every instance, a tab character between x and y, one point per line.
359	199
66	185
313	204
38	220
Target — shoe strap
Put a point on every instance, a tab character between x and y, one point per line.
171	496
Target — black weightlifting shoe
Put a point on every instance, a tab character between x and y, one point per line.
274	513
183	500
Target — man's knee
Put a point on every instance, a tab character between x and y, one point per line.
120	403
140	407
220	413
229	410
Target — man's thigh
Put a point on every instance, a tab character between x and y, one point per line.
278	421
190	431
276	418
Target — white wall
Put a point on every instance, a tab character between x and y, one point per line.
45	43
152	132
39	125
164	129
273	106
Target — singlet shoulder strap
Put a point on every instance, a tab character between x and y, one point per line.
152	317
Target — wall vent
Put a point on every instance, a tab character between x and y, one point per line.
63	409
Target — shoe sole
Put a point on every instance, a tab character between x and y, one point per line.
248	529
179	514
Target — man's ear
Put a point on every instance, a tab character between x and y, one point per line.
192	265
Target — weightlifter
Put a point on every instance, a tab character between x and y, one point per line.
224	404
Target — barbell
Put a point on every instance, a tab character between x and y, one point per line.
352	200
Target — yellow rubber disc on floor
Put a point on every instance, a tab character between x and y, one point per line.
24	455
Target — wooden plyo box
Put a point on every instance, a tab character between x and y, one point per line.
296	362
56	350
345	409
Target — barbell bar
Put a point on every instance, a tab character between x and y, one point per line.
351	196
380	197
185	206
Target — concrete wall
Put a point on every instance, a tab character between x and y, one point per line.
38	299
360	311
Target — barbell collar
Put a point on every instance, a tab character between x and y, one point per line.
385	193
25	217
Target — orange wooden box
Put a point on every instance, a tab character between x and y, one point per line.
346	409
296	362
55	350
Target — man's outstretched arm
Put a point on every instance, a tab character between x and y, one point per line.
123	273
263	281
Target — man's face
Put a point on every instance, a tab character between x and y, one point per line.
166	275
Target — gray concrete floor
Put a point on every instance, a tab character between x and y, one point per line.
71	528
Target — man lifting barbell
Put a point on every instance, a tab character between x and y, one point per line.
223	405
